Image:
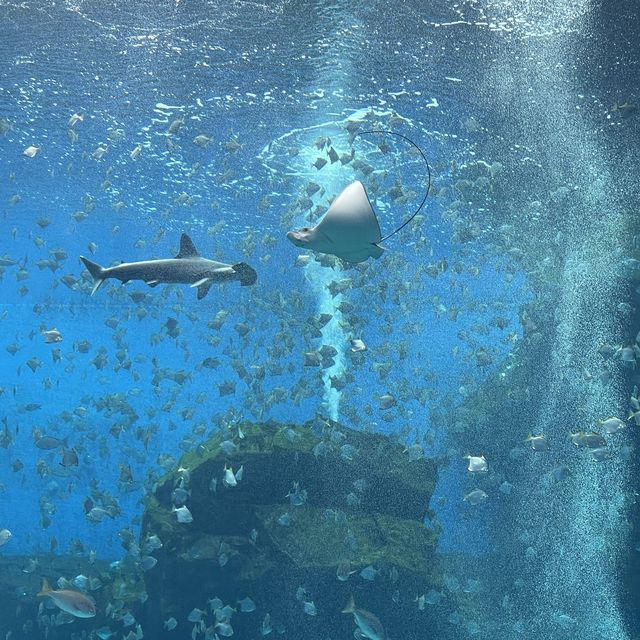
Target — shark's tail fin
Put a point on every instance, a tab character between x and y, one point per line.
46	589
247	275
351	606
97	272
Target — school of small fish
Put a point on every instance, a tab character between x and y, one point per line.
273	334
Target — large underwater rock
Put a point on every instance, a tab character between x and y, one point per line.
310	497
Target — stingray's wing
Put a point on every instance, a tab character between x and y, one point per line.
350	218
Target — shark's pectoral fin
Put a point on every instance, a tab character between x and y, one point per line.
376	251
204	287
153	283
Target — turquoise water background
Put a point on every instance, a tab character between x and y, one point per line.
521	91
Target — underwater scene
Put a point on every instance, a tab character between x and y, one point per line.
319	320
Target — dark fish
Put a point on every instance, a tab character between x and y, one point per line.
227	388
82	347
50	442
242	329
34	364
7	261
6	439
344	571
69	458
211	363
625	109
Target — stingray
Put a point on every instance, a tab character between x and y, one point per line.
350	228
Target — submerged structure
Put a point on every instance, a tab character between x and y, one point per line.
284	524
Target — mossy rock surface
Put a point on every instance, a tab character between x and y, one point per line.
325	460
315	540
310	497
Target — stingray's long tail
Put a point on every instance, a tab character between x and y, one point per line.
411	142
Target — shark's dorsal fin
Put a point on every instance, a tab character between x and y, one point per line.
187	248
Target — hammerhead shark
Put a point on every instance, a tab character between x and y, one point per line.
188	267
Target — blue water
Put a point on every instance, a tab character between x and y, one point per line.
508	94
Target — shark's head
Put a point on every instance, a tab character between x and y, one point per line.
248	276
302	237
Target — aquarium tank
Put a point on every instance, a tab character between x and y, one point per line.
319	320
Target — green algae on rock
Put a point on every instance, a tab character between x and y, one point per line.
308	498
